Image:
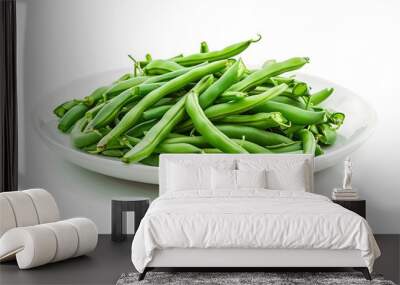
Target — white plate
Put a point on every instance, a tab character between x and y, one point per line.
358	126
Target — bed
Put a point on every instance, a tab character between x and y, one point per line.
246	211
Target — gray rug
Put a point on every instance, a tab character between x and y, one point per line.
243	278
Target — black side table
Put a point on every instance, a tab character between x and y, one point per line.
357	206
119	207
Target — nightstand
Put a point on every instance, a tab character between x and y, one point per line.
119	209
357	206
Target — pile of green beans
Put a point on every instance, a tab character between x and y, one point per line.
206	102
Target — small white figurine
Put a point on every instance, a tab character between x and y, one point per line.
347	174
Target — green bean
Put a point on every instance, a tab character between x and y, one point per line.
92	112
251	147
171	75
148	57
156	112
128	106
181	92
273	69
123	85
95	96
313	129
230	76
290	101
287	97
152	160
137	68
254	135
129	141
289	132
161	130
204	126
125	76
166	101
259	120
61	109
286	147
328	134
140	129
308	141
80	139
175	135
204	47
318	150
198	141
276	80
220	111
125	109
145	88
90	149
171	86
111	109
159	66
211	56
109	112
295	115
231	96
115	144
212	150
336	118
300	89
177	148
260	89
115	152
320	96
72	116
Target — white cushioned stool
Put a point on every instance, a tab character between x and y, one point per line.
31	230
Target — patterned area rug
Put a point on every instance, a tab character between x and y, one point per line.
244	278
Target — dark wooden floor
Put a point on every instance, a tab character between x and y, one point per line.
110	260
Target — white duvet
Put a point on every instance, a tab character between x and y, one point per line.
250	219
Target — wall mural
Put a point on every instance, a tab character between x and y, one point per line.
205	102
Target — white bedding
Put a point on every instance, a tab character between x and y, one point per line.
250	219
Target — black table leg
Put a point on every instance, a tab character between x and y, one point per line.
117	222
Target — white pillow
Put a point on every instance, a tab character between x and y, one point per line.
231	180
223	179
292	179
184	178
251	179
282	174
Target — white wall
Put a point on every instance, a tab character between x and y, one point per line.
354	43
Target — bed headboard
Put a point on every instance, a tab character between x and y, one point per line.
210	159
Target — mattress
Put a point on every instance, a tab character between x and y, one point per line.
250	219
